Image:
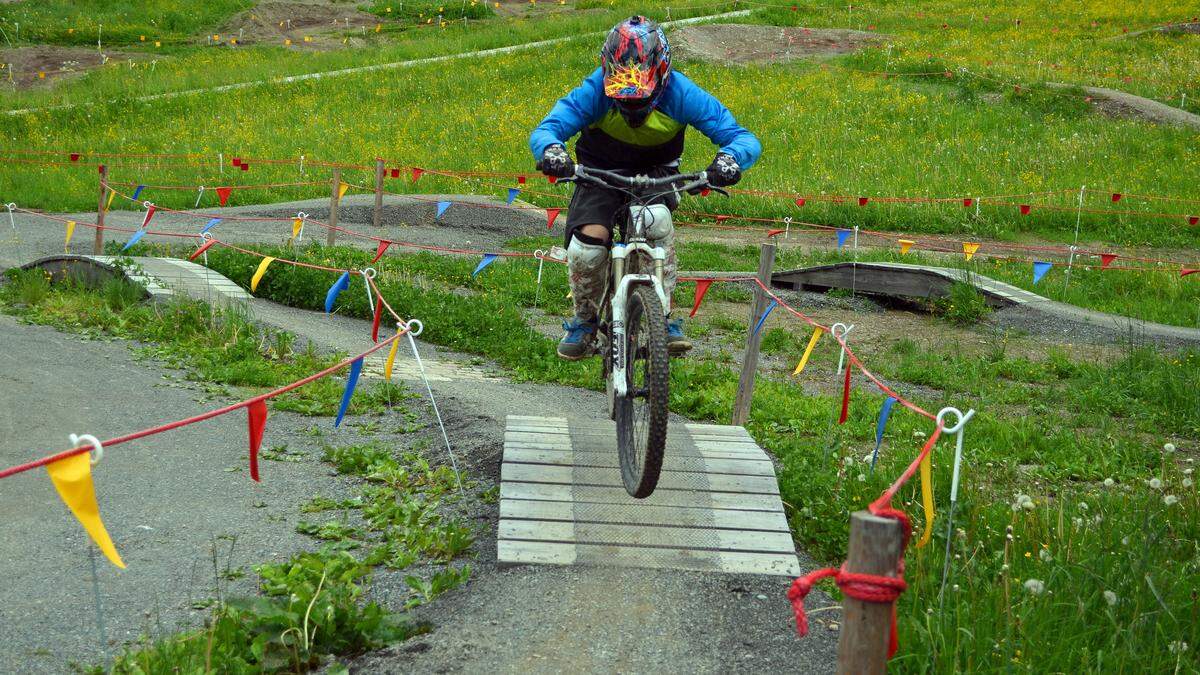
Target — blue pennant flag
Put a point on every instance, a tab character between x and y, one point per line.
138	191
765	314
351	382
210	225
512	194
842	235
338	286
441	208
884	413
133	240
488	259
1039	270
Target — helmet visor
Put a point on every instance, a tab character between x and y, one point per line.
628	81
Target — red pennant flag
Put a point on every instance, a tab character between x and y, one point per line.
1192	220
1025	209
257	413
552	179
223	195
236	161
1106	260
149	214
395	173
862	201
799	201
416	173
968	202
375	321
203	247
1185	271
772	233
1116	197
721	219
845	398
520	180
701	288
551	214
74	156
383	246
245	167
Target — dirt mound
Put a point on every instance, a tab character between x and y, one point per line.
1121	104
43	65
744	43
326	24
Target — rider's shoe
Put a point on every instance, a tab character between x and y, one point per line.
677	342
578	340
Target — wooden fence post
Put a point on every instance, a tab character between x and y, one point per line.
745	390
378	192
98	247
331	231
875	548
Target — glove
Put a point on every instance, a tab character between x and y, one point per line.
724	171
557	162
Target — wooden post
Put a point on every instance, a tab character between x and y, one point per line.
331	232
378	192
98	247
745	390
866	626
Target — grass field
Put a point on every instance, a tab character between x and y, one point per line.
826	130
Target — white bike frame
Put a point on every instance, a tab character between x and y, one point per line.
623	285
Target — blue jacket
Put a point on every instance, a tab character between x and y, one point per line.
608	142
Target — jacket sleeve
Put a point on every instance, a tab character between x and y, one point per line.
585	105
703	111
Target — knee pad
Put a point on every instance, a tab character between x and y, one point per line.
656	221
585	255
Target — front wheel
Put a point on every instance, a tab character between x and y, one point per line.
641	414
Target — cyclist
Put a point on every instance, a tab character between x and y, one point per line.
631	114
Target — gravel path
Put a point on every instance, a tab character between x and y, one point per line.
166	500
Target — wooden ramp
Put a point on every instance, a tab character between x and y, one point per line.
716	508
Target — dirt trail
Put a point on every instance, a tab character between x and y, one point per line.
744	43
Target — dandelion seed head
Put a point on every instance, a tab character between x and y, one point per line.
1155	484
1168	448
1110	598
1035	586
1108	482
1170	500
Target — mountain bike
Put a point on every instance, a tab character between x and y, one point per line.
632	335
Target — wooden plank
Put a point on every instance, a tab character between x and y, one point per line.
534	418
643	514
618	495
748	467
647	535
558	446
733	562
601	444
668	480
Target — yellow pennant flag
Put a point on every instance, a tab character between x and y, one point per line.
111	194
812	342
342	187
969	249
258	275
906	244
297	227
70	233
72	477
391	359
927	497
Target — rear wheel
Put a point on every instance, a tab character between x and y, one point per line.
641	414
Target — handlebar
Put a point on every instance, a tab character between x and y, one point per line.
690	181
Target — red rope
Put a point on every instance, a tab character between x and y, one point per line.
49	459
